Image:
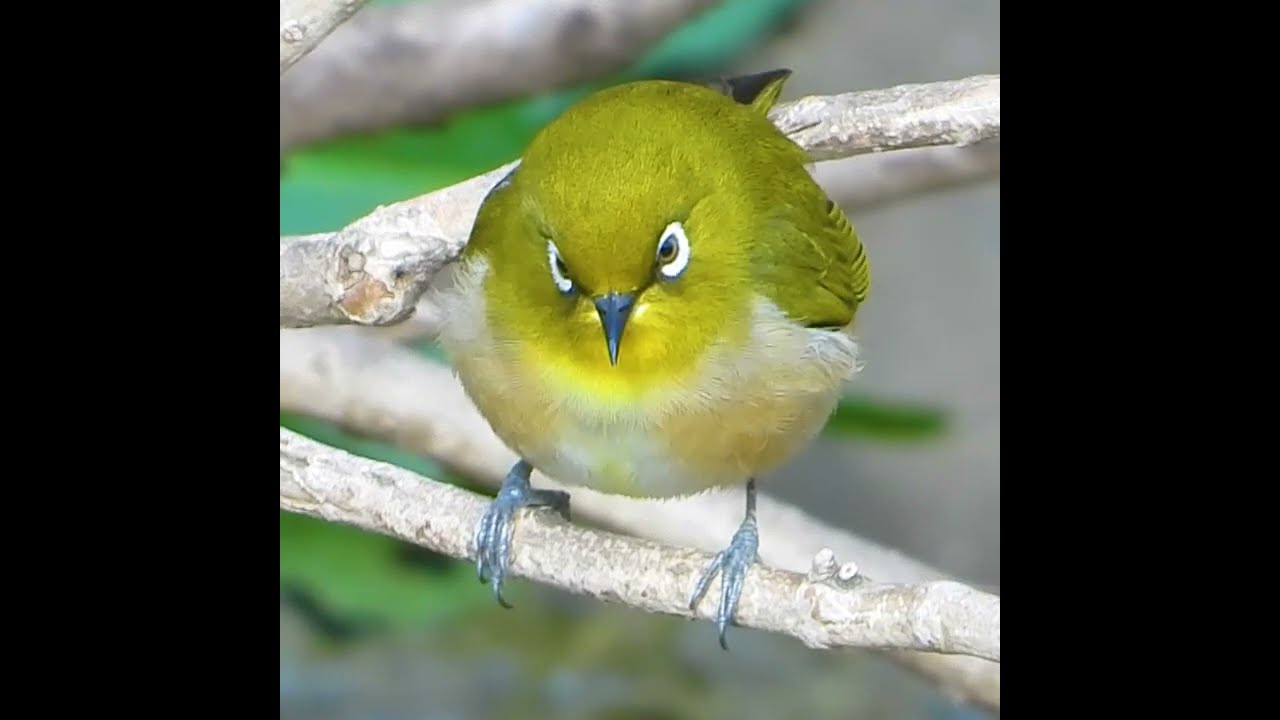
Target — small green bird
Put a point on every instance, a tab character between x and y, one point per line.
678	222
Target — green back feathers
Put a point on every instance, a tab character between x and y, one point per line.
860	283
816	270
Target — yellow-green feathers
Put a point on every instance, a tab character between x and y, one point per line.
602	182
745	279
812	240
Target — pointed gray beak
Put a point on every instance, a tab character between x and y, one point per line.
614	309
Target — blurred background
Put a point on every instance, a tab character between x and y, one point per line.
374	629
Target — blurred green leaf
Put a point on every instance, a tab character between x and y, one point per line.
716	38
865	417
429	349
328	186
363	578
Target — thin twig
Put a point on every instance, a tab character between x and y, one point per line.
419	62
399	248
821	611
304	23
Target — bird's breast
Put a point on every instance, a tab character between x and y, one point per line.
747	408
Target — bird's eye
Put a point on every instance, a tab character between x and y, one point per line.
673	251
559	271
667	249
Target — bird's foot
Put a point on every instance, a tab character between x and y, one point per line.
493	535
731	564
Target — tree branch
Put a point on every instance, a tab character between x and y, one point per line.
373	271
304	23
379	389
419	62
953	112
398	248
827	609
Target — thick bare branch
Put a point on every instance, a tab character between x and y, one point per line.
824	610
377	388
304	23
373	271
418	62
954	112
399	248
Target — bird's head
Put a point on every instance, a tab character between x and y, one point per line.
621	244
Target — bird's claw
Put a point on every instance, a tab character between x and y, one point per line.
731	564
493	534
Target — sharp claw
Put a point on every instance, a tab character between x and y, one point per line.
731	565
497	593
481	533
493	533
704	582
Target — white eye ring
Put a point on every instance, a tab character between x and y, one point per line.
563	283
674	267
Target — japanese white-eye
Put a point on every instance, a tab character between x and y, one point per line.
658	300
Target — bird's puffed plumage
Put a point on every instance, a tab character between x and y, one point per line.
723	373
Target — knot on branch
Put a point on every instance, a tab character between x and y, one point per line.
293	32
825	569
384	266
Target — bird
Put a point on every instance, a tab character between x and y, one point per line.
656	301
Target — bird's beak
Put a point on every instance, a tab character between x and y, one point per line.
614	310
